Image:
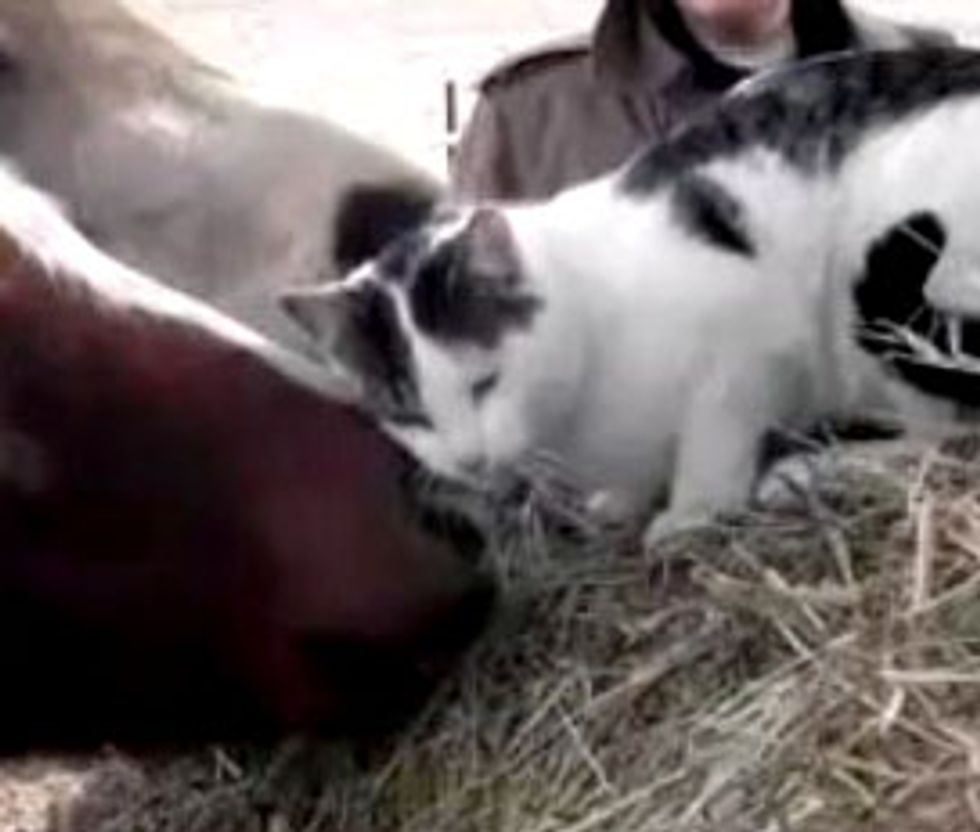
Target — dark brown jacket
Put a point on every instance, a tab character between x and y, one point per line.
575	109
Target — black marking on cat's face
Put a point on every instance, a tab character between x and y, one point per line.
465	288
891	293
706	209
453	302
373	345
811	113
369	217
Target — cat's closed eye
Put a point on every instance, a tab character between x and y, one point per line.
483	386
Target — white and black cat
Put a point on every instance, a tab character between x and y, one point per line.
789	257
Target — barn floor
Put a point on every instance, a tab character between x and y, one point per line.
378	66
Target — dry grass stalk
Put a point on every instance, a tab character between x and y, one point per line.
811	670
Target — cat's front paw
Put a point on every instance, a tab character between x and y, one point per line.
670	523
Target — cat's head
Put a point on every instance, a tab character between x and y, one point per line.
430	333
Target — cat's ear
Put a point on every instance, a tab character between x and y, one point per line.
491	248
322	310
473	288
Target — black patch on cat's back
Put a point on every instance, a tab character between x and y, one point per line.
452	301
891	292
369	217
812	113
891	289
710	212
948	383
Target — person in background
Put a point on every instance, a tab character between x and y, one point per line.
572	110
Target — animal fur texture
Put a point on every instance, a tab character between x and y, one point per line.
790	257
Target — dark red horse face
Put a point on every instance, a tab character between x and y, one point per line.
192	542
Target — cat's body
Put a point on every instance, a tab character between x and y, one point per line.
650	327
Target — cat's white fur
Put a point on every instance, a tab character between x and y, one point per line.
657	362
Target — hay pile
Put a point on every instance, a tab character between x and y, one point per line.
817	669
